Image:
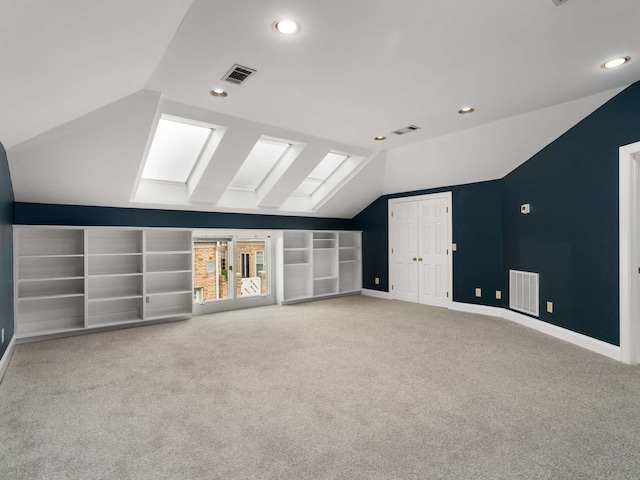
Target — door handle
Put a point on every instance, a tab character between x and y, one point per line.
415	259
420	259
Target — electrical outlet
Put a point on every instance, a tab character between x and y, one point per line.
498	294
550	307
377	281
478	292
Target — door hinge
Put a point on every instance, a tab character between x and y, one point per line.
447	251
391	287
447	294
447	209
392	252
392	214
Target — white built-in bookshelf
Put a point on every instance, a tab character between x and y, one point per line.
72	279
316	264
115	277
169	274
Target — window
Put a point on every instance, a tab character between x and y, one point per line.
260	161
259	261
198	295
323	170
244	259
176	147
213	256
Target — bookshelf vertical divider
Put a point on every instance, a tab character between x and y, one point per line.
86	278
144	274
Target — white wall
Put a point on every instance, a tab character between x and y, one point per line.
92	160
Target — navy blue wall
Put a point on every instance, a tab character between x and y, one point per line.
571	235
477	230
6	251
48	214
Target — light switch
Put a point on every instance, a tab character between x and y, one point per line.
498	294
550	307
454	247
478	292
377	281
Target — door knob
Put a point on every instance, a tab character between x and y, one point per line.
414	259
420	259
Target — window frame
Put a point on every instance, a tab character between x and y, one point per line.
185	121
320	181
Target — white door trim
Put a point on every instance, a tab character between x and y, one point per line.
448	197
629	253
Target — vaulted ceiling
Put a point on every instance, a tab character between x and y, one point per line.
85	84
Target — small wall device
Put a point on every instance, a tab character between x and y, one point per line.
525	208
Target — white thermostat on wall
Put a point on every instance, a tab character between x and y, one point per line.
525	208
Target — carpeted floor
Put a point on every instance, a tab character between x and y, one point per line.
348	388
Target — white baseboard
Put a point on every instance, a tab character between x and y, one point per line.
479	309
4	361
376	293
597	346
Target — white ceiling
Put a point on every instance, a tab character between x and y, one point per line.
355	70
62	59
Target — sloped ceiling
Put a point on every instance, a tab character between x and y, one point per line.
86	82
485	152
65	58
92	160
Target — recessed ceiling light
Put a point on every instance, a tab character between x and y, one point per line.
380	137
615	62
465	110
286	26
218	92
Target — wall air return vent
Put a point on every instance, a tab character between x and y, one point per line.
238	74
523	292
409	129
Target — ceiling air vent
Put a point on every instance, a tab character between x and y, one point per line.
402	131
238	74
557	3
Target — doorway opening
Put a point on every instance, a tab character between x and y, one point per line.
630	253
231	271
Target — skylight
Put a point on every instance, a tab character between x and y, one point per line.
175	150
260	161
323	170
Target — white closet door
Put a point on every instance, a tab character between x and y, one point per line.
404	228
433	247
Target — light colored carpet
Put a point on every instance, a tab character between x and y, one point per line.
353	388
